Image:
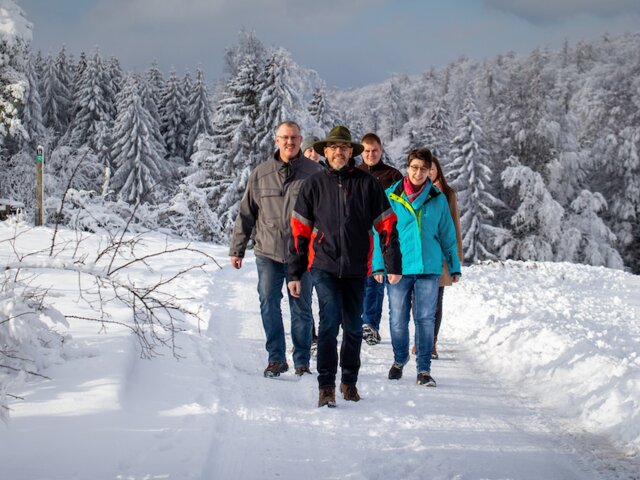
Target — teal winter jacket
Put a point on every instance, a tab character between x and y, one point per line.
425	230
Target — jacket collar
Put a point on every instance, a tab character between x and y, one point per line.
429	192
378	166
276	157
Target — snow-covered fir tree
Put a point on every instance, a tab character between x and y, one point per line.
237	145
115	79
586	238
280	99
392	110
78	71
155	84
173	119
189	210
141	172
537	222
248	46
438	132
32	112
199	115
93	105
187	83
471	177
56	93
321	111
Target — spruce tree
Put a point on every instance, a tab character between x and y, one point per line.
141	171
32	112
56	97
199	115
173	119
279	98
155	84
93	106
471	177
321	111
537	222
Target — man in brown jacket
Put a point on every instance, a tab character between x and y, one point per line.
266	207
374	292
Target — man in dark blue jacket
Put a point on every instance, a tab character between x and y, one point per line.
332	236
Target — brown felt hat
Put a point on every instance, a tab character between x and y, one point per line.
338	134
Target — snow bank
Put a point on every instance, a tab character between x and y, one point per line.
566	334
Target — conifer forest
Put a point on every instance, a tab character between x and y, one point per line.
543	149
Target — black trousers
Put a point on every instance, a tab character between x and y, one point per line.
340	301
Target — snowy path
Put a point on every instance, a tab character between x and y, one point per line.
467	428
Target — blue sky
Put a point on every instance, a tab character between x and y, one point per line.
349	43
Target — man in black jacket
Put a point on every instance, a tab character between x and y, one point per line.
331	234
374	291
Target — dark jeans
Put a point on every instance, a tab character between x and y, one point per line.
340	301
373	299
271	276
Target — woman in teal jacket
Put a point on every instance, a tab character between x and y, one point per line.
427	237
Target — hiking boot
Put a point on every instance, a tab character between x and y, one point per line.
395	372
274	369
426	379
300	371
350	392
370	335
314	348
413	350
327	397
434	352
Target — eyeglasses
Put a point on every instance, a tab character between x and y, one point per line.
287	138
343	146
415	169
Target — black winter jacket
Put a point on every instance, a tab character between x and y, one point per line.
332	225
386	174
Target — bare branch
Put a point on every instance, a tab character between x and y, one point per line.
64	196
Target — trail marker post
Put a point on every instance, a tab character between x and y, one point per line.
39	185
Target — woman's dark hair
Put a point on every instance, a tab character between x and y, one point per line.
446	189
423	154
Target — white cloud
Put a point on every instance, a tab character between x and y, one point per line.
553	10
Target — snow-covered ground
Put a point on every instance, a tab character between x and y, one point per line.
538	379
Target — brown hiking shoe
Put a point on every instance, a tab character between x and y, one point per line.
327	397
274	369
350	392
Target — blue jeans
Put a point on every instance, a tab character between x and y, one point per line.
420	294
271	276
340	301
373	299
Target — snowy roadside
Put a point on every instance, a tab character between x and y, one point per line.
567	335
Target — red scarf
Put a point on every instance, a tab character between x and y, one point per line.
410	190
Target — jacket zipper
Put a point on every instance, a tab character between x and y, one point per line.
340	222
